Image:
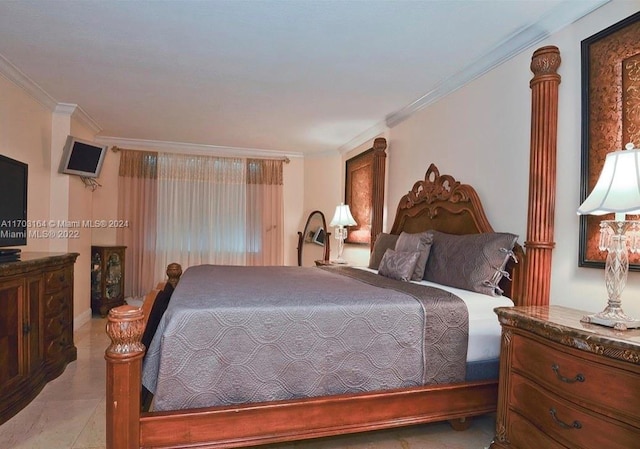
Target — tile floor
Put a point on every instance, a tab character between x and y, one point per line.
69	413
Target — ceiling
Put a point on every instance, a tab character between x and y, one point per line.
274	77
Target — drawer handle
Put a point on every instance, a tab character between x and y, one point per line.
577	378
573	425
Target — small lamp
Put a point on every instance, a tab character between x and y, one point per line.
340	220
617	191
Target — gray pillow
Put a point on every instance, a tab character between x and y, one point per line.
473	262
383	242
420	242
398	264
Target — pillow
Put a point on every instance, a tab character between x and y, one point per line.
473	262
383	242
420	242
155	315
398	264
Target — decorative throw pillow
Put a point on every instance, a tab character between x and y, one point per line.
420	242
398	264
473	262
383	242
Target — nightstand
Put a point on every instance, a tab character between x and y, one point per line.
323	263
564	383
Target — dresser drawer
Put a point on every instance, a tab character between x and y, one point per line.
55	326
571	425
58	279
582	381
54	303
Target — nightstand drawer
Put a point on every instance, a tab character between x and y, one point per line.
571	425
524	435
582	381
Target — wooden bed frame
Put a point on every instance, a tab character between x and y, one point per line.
437	202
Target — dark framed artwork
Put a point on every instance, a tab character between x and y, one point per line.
358	194
610	118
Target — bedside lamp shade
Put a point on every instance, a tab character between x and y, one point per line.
618	188
342	216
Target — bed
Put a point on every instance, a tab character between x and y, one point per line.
438	202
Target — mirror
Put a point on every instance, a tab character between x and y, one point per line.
313	241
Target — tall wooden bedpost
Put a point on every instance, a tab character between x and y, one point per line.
125	327
377	201
542	173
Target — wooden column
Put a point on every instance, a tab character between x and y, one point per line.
542	173
377	200
125	327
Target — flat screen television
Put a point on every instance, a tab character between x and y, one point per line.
13	202
82	158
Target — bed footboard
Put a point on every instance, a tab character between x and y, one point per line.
250	424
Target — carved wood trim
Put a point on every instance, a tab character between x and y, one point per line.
379	163
542	174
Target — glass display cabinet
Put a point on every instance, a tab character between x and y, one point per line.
107	278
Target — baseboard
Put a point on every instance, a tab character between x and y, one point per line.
81	319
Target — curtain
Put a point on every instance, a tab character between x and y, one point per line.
201	211
265	212
197	210
137	201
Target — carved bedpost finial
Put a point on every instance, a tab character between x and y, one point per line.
379	144
125	326
174	271
545	62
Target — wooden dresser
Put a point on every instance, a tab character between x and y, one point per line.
36	326
566	384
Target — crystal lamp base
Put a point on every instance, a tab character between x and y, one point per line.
612	317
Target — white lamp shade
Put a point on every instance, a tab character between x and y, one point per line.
343	216
618	188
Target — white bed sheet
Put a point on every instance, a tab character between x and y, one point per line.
484	327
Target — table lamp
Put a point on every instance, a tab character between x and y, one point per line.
341	219
616	191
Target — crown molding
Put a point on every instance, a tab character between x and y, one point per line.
79	114
369	134
194	148
563	15
20	79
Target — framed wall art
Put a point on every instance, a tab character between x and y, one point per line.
364	192
359	196
610	118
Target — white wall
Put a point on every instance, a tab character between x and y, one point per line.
480	134
323	191
32	133
25	135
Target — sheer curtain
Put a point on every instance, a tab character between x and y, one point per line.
198	210
201	211
137	201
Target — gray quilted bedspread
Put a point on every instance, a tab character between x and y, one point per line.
234	335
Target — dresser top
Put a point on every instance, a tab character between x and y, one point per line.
34	260
563	325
